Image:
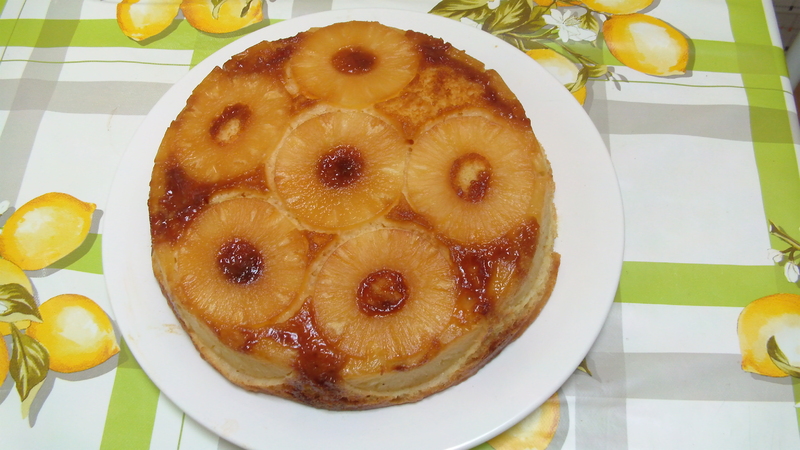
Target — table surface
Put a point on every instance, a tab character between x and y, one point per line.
705	161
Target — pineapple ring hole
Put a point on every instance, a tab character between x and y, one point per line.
353	60
340	167
240	261
230	123
470	176
382	292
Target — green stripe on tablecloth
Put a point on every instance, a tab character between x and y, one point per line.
106	33
780	186
132	408
796	389
39	32
6	30
772	143
748	22
710	56
699	284
95	33
770	121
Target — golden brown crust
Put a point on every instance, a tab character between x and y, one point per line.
490	286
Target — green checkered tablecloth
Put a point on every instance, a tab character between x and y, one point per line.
704	162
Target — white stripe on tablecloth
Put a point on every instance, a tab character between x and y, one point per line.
696	23
166	425
661	210
701	88
671	424
679	329
84	167
90	71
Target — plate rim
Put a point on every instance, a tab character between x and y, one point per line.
115	241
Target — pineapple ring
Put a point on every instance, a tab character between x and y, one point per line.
340	169
241	263
355	64
230	123
471	178
404	326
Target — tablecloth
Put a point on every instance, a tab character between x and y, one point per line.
705	161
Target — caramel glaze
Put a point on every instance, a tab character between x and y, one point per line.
265	56
271	57
353	60
318	361
238	113
437	52
316	242
382	293
402	212
240	261
476	264
184	197
340	167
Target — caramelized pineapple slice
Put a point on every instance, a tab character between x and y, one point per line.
340	169
385	294
474	179
230	125
354	64
241	263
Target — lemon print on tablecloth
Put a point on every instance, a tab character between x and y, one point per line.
557	3
4	361
45	230
214	16
646	44
558	65
10	273
617	6
76	332
775	316
533	432
142	19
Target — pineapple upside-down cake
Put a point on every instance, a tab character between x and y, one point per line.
353	217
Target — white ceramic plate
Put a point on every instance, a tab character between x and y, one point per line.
521	378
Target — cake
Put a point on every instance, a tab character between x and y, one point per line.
353	217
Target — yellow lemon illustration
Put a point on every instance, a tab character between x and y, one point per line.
142	19
646	44
550	2
76	332
227	16
11	273
558	65
774	315
45	230
4	361
617	6
535	431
